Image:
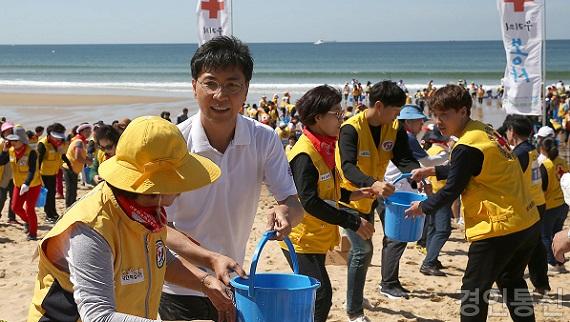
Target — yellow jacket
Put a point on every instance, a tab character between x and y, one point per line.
139	259
554	170
52	159
20	168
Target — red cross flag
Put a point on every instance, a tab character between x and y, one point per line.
523	35
214	19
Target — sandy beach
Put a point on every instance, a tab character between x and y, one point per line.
433	299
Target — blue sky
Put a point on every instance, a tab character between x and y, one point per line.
174	21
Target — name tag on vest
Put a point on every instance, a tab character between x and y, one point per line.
132	276
364	153
325	176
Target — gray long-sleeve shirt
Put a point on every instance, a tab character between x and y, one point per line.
88	258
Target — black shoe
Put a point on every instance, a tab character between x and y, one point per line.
403	288
431	271
51	220
438	264
394	292
30	237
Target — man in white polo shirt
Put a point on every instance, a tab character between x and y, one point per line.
220	217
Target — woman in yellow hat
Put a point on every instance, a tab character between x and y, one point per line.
106	259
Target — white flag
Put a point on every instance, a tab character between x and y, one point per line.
214	19
522	28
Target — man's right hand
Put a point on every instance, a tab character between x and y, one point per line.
366	229
384	189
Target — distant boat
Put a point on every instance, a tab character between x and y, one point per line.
319	42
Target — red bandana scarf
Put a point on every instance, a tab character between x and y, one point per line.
324	144
81	137
144	215
20	152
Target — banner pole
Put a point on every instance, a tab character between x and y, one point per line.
544	64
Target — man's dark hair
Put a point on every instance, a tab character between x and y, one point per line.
107	132
185	110
388	93
39	129
220	53
520	125
450	97
55	127
315	101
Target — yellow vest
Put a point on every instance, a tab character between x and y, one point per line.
496	202
101	156
553	194
20	168
312	235
139	257
371	160
52	159
76	166
434	150
532	178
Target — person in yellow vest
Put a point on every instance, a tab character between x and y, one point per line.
551	170
106	138
106	259
367	141
6	182
51	155
501	219
77	155
283	132
27	180
519	128
313	166
439	225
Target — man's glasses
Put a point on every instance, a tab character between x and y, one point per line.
212	87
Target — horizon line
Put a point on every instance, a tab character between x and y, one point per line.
275	42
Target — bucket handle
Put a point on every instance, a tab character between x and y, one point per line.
266	237
401	177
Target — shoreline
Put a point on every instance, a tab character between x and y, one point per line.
37	99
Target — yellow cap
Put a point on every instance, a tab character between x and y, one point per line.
152	158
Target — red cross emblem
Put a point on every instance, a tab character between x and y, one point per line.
519	4
212	6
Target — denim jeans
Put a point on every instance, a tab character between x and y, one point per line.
551	223
359	259
438	231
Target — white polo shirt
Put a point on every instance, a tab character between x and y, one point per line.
220	216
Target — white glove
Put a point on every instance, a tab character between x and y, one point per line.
23	189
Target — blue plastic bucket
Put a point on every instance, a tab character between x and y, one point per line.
275	297
42	198
396	225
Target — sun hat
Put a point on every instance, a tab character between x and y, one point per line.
19	135
152	158
84	126
57	135
545	131
411	112
6	126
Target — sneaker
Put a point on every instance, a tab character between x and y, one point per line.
557	268
438	264
362	318
14	222
30	237
403	288
50	220
393	292
431	270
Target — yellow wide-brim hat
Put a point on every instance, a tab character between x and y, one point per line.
152	158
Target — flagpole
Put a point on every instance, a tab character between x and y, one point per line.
544	64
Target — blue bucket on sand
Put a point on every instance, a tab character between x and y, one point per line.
275	297
42	198
396	225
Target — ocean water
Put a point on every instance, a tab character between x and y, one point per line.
164	69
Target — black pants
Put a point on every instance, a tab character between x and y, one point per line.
70	179
502	260
537	266
313	265
4	194
392	251
49	208
186	308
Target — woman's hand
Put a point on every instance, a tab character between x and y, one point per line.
362	193
421	173
414	210
221	297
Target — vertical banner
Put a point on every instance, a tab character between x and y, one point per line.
214	19
522	29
